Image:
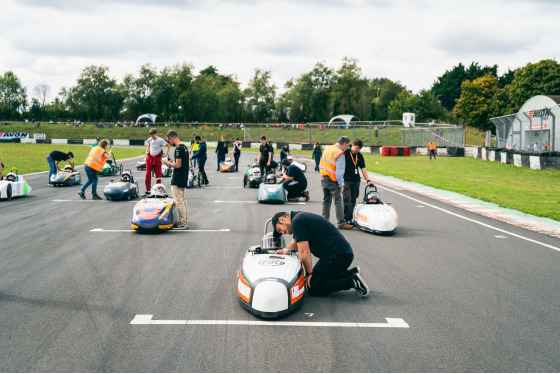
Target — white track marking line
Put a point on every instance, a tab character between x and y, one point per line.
253	202
475	221
146	319
205	187
89	201
187	230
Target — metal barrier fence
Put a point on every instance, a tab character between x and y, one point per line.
372	133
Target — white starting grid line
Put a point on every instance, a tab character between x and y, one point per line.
185	231
146	319
252	202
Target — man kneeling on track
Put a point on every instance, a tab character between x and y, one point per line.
295	181
313	234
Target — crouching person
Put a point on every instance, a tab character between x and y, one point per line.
314	234
294	180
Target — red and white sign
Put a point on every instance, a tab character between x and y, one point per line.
538	127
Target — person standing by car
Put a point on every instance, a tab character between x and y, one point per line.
316	155
295	181
221	151
201	155
179	178
354	162
154	154
194	148
95	161
265	156
315	235
332	167
237	152
54	158
285	152
96	143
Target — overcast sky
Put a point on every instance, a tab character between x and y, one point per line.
411	41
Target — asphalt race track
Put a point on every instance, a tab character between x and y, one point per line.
81	292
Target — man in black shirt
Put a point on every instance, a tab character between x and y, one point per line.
354	161
54	158
295	181
265	157
314	234
179	177
221	151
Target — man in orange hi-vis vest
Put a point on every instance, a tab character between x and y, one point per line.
332	168
432	148
95	160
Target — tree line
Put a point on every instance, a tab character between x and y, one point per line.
465	95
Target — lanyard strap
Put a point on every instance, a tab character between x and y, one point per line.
354	161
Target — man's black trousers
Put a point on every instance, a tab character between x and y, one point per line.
332	275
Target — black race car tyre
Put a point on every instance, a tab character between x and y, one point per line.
9	192
245	180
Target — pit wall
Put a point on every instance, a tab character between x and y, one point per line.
537	161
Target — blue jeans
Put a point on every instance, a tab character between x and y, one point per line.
91	179
52	167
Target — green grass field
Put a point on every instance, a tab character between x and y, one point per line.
30	158
535	192
212	132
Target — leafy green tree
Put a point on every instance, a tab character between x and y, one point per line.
541	78
260	97
307	98
425	105
349	94
182	78
384	91
473	107
13	96
447	88
95	94
230	102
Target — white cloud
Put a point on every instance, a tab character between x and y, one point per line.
413	42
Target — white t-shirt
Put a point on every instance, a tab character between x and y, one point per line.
156	146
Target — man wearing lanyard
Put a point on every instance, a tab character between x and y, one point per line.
354	161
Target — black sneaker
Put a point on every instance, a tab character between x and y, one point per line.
82	195
96	197
360	285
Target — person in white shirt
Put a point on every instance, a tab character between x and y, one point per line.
154	154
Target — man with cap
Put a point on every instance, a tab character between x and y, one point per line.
295	181
315	235
96	143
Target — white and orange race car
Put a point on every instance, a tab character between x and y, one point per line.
270	285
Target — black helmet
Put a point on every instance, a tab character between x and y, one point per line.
271	179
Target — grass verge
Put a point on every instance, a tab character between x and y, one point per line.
30	158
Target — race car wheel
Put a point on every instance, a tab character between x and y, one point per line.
304	166
9	192
245	181
120	169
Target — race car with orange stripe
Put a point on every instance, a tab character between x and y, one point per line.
270	285
157	211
